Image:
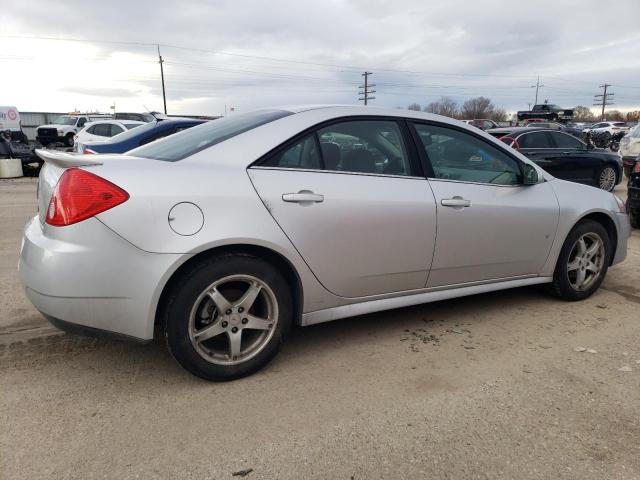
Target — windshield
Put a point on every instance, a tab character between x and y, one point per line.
185	143
64	120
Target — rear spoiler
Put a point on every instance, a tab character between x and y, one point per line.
66	160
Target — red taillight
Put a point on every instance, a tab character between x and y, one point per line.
80	195
636	169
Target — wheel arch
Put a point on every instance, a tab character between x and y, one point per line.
279	261
609	225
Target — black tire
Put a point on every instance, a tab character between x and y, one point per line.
68	140
184	295
607	168
634	216
628	170
562	286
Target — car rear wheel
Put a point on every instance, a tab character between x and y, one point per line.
227	317
607	178
583	261
68	140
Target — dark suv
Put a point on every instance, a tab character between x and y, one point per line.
633	195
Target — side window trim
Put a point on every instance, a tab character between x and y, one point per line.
426	162
412	151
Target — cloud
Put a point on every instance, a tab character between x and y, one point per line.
100	92
456	48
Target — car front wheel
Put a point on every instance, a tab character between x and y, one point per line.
583	261
227	317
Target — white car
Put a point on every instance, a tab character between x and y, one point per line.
609	127
64	128
103	130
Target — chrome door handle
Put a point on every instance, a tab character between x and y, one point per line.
455	202
303	196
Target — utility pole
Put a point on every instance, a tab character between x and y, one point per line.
603	99
537	87
164	96
366	88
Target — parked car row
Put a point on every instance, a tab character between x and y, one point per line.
564	156
134	137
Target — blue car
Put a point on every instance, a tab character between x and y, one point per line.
137	136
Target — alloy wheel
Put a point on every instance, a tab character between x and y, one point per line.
233	319
586	261
607	180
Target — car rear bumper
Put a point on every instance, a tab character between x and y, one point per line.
85	274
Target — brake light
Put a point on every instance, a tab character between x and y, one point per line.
80	195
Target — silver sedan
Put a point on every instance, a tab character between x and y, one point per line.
225	235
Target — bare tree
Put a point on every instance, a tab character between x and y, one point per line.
479	107
583	114
445	106
614	115
499	115
415	106
633	116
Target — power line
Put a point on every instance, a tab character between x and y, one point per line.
366	89
261	57
164	95
537	87
603	99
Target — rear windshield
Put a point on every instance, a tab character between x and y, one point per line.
130	133
186	143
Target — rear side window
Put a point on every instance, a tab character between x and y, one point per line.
534	140
356	146
102	129
303	154
115	129
186	143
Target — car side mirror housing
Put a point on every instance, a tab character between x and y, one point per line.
530	175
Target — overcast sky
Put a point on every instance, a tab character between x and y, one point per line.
251	54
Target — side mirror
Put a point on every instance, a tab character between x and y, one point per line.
530	175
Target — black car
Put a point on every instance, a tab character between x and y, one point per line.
564	156
633	196
547	111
